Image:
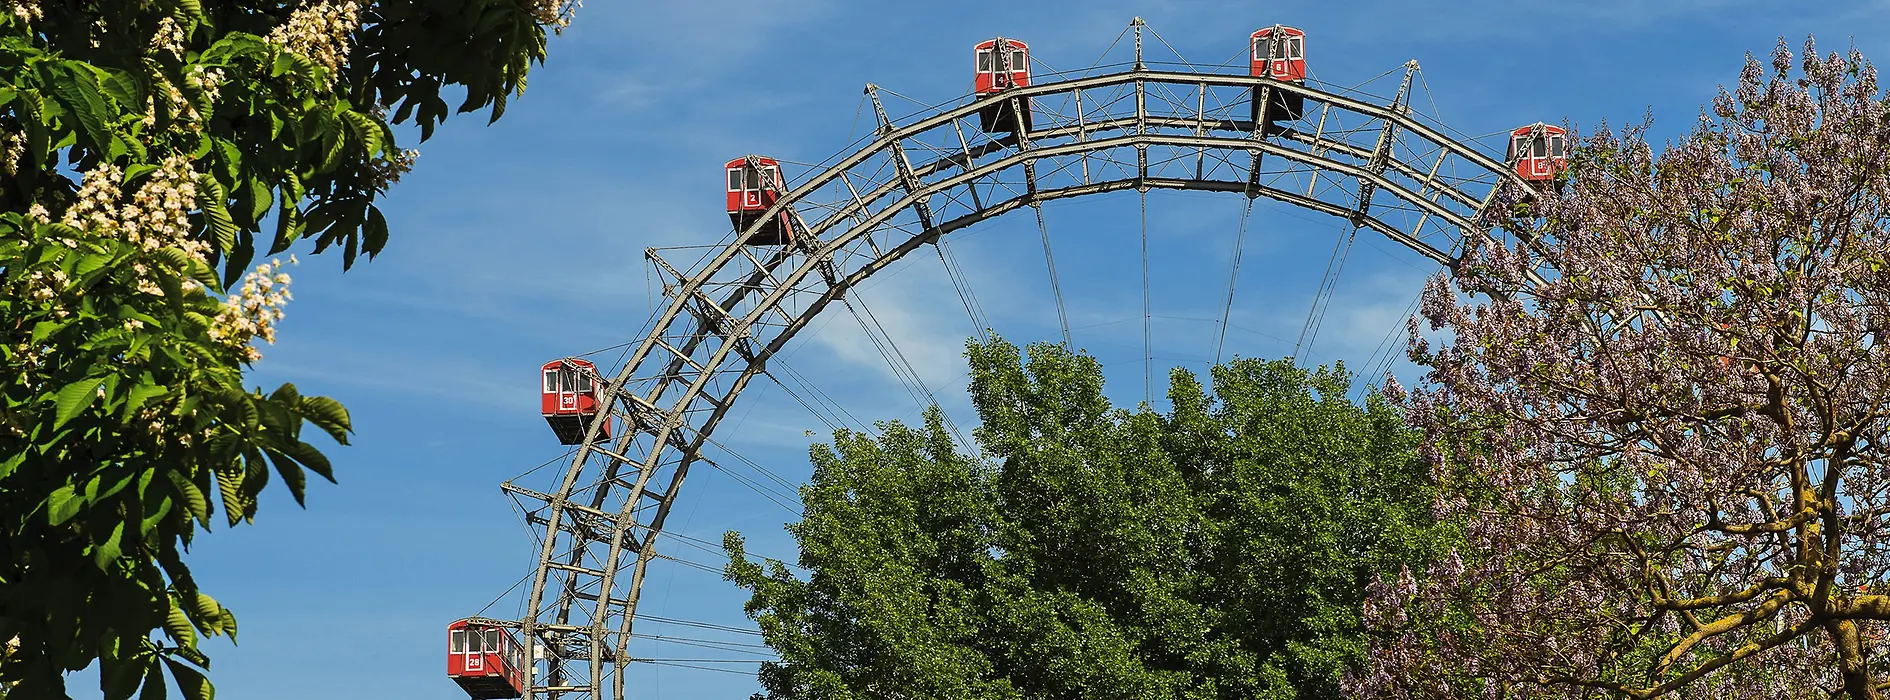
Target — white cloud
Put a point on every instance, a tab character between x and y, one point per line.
909	302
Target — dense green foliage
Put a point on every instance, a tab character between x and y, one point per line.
149	150
1219	551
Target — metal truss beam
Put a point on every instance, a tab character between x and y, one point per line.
722	320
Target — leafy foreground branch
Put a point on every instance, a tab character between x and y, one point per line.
1219	551
149	151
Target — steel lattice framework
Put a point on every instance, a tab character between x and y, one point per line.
1373	165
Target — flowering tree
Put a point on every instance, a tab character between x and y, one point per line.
1672	455
145	146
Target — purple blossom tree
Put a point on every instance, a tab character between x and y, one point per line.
1672	457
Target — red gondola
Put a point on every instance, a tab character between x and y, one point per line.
485	661
1003	64
754	184
1539	151
1279	52
570	399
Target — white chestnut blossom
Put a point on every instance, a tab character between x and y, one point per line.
12	151
24	10
169	38
319	31
254	310
388	172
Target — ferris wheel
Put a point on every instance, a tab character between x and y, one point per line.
797	244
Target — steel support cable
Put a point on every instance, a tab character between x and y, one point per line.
830	417
1331	291
924	108
1355	88
1050	263
830	420
1381	368
1171	48
1386	353
1328	283
703	661
686	640
707	548
564	457
673	664
752	486
711	547
919	394
692	564
980	324
801	379
1148	336
1233	276
501	596
917	381
1105	52
752	464
699	625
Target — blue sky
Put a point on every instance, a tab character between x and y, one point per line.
521	242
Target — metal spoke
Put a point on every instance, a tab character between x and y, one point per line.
1148	337
1233	275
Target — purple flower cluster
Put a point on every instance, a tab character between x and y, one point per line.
1671	459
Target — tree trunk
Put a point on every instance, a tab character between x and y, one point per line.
1852	664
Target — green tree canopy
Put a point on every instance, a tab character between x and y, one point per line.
149	151
1219	551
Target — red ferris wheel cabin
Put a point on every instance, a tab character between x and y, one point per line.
484	660
1539	151
754	184
1002	64
569	399
1279	52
